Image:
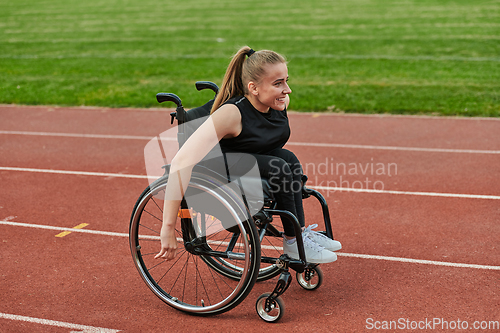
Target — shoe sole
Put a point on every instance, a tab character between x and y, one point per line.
314	261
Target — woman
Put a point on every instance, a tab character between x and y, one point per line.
249	116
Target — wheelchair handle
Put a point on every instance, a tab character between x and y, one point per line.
168	97
201	85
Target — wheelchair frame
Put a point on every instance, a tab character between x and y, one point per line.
230	259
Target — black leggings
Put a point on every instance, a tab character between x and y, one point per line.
284	172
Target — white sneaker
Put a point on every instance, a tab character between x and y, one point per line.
315	253
324	241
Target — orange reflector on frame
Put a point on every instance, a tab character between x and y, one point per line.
184	214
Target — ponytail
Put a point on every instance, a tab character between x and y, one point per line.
242	70
232	84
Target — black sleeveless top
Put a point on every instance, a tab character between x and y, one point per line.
260	133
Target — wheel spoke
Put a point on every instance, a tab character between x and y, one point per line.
206	276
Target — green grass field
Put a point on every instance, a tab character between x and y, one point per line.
380	56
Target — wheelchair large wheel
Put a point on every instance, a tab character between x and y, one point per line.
218	230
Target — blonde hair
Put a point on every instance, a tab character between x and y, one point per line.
242	70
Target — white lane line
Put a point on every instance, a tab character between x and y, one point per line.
80	328
87	136
78	173
418	261
353	255
306	144
7	221
432	150
50	227
427	194
323	188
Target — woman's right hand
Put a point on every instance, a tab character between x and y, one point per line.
168	243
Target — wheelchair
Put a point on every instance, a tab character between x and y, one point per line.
224	249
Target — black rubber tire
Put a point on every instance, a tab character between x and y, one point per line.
187	283
276	313
311	278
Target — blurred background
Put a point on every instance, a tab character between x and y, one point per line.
438	57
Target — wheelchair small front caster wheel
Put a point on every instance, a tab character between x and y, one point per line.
310	278
270	311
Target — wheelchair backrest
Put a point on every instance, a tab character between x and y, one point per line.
187	120
192	120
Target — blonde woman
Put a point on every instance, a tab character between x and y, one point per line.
249	116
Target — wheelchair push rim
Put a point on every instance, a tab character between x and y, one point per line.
188	283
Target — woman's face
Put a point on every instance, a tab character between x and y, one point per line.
272	90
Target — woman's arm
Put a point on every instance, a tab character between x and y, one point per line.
225	122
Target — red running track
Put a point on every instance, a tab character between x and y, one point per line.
423	248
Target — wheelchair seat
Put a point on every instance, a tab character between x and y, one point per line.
257	190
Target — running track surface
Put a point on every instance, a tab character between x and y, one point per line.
423	246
